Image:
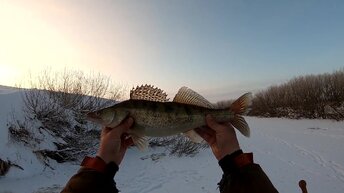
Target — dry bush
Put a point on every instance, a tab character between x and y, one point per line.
178	145
77	90
21	131
304	96
4	167
59	97
20	135
161	141
184	147
59	102
39	105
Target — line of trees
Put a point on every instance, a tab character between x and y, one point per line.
311	96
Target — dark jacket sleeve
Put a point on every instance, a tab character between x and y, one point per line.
249	178
91	181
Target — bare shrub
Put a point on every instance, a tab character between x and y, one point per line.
184	147
79	91
160	141
58	102
178	145
20	134
304	96
21	131
4	167
39	105
59	96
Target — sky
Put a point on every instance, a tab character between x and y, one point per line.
218	48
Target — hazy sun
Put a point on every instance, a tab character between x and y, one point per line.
28	43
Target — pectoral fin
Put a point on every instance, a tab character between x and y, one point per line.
193	136
140	141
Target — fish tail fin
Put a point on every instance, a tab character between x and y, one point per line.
241	107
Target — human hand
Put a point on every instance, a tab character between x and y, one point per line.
114	142
220	137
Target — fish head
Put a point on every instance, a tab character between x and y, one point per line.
109	117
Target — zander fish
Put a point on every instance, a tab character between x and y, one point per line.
155	116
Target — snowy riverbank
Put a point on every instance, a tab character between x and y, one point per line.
288	150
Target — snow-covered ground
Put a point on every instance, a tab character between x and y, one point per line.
288	150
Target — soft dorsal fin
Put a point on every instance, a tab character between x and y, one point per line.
149	93
188	96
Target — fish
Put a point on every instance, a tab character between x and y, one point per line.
155	116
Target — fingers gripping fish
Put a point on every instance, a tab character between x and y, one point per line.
155	116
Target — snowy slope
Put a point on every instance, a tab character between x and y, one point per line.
11	104
288	150
7	89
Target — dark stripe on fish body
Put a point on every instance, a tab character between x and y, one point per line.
187	110
169	108
153	106
132	103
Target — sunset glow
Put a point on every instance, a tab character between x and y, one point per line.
215	48
28	43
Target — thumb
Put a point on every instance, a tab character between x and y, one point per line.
211	122
124	126
127	123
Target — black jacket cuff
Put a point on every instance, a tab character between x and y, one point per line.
109	172
111	169
227	163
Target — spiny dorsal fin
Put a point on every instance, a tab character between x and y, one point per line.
149	93
188	96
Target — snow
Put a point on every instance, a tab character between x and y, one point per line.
7	90
287	150
9	101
